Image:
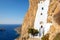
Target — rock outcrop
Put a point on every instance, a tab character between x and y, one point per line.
54	13
29	18
53	17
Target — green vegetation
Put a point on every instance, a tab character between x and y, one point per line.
33	32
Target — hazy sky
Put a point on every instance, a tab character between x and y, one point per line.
13	11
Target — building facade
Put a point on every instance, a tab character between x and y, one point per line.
41	17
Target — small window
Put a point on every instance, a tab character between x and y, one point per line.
41	13
41	26
42	8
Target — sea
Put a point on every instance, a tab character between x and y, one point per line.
8	32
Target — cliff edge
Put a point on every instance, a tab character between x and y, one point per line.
53	17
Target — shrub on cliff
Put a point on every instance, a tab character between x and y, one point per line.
33	32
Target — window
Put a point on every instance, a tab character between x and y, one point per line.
42	8
41	26
41	13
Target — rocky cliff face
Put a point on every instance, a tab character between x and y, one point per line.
54	13
53	17
29	18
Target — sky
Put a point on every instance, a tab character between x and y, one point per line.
13	11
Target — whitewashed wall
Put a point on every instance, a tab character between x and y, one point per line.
42	17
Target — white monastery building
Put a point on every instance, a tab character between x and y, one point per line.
41	18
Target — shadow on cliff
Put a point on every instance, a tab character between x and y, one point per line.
56	18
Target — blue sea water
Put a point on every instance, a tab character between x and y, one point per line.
9	33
